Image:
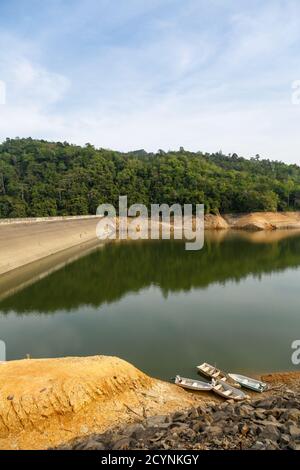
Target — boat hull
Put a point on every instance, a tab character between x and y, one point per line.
213	373
195	385
251	384
228	392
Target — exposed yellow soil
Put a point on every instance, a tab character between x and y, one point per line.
215	222
28	241
264	220
291	379
46	402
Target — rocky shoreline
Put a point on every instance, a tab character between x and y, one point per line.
104	402
264	423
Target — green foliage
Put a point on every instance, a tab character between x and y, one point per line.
121	269
39	178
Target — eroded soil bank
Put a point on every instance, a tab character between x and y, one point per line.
23	242
48	403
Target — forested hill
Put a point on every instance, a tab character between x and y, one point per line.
39	178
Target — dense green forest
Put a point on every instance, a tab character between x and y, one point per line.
39	178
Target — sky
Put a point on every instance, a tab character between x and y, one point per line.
130	74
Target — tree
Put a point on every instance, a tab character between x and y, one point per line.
40	178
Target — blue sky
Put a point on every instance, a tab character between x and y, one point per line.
129	74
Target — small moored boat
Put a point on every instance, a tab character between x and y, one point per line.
248	382
214	373
192	384
227	391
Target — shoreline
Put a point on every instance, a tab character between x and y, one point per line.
54	402
25	241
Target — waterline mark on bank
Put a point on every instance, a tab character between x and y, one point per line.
2	92
2	351
296	354
183	222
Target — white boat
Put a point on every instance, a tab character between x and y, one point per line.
217	374
227	391
192	384
250	383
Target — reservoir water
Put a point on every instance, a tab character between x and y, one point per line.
235	304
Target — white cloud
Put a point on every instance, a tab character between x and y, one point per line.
32	84
32	91
27	81
182	83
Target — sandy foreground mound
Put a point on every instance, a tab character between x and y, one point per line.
46	402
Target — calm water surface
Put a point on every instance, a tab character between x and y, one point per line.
234	303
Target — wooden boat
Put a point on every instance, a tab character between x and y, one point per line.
192	384
248	382
227	391
217	374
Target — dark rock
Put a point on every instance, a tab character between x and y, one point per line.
268	423
155	421
223	406
220	416
122	444
134	430
292	404
90	444
245	410
201	410
253	431
193	413
272	419
266	403
235	429
179	416
294	431
258	446
275	413
271	445
285	439
189	433
260	413
294	446
199	426
293	414
270	432
166	425
179	427
216	430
